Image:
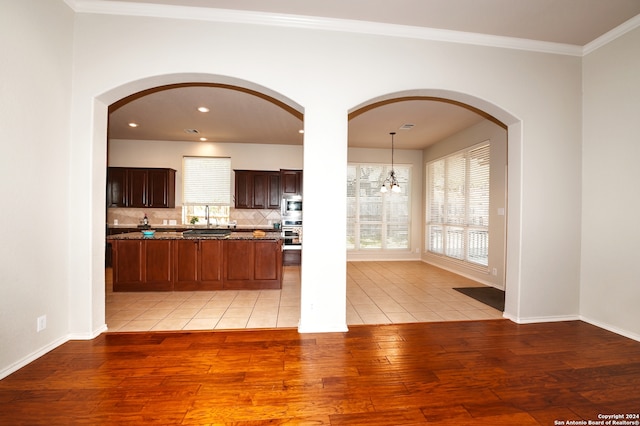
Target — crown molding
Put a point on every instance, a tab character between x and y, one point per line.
317	23
608	37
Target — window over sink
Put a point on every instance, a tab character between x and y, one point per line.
206	187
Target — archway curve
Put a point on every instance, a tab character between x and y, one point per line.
101	105
513	126
136	88
485	108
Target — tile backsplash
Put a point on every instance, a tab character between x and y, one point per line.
254	217
133	216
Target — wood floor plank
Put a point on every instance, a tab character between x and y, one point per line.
463	373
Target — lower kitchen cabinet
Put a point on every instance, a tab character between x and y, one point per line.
252	264
142	265
198	264
292	257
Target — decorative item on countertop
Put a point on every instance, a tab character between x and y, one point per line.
194	220
148	233
144	223
259	233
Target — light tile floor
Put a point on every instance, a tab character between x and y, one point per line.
377	293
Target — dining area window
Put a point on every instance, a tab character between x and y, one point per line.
457	205
378	220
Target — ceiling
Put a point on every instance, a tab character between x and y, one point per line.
242	116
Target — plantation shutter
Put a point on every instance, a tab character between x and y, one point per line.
479	174
458	194
435	205
455	190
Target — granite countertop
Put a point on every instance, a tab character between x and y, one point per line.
159	227
170	235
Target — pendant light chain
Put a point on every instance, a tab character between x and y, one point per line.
391	181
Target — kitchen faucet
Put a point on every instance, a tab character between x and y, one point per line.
207	217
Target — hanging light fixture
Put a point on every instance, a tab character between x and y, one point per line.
391	182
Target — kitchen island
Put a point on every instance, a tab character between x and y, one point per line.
180	261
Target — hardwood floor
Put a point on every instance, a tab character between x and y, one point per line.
491	372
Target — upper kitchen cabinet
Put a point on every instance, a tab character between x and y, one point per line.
290	182
141	187
257	189
116	187
161	184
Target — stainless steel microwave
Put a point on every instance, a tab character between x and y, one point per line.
292	206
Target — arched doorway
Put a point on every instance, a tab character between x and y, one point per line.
512	123
246	90
498	272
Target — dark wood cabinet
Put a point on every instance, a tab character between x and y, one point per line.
244	190
256	189
252	264
161	188
291	257
142	265
137	187
141	187
290	182
116	187
127	264
197	264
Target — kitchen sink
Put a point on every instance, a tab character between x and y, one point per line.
212	232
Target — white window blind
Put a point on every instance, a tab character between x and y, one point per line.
206	181
376	220
458	205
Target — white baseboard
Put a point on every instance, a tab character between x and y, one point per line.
322	328
48	348
616	330
533	320
88	336
608	327
32	357
462	273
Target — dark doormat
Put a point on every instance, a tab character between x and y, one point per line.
487	295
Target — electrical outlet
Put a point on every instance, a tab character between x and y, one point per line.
494	272
42	323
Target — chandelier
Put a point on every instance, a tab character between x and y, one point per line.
391	182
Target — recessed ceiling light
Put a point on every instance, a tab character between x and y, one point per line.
203	109
203	139
191	131
132	124
301	131
407	126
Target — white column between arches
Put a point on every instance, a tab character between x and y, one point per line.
324	257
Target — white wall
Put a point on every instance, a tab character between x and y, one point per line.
328	73
484	131
35	95
610	278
